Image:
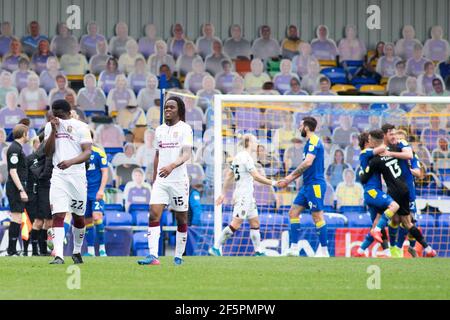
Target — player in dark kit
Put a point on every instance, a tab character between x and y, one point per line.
38	188
391	171
16	184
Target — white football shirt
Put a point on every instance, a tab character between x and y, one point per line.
242	166
169	141
70	135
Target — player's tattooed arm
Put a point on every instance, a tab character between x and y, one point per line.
301	168
186	153
226	185
84	156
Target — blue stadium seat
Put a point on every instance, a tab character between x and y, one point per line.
425	221
139	207
141	218
346	209
271	220
118	242
113	151
444	221
358	220
208	207
444	174
378	106
353	63
90	113
118	218
336	75
307	221
359	81
207	219
335	221
114	207
140	244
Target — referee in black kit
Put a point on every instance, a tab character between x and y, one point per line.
16	184
40	169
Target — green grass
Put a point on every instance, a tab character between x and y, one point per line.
227	278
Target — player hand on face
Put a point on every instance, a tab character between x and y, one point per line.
220	200
24	196
54	122
166	171
65	164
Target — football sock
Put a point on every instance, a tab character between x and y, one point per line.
78	237
321	228
14	232
35	235
392	234
412	241
100	231
43	241
367	241
58	241
384	237
181	239
255	236
293	233
154	232
402	232
227	233
384	220
90	235
418	236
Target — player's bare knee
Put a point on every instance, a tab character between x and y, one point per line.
38	224
254	223
48	224
236	223
58	220
317	217
78	222
155	214
97	216
181	218
394	206
294	212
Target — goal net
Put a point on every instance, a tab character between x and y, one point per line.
274	120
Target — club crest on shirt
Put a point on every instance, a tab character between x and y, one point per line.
69	129
175	135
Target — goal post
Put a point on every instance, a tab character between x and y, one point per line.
226	122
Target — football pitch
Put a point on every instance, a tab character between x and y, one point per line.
229	278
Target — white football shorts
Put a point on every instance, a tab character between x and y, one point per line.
68	193
174	194
245	207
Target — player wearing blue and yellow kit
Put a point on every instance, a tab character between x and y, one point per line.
97	177
311	195
375	199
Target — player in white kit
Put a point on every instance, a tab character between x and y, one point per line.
173	143
69	142
243	172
